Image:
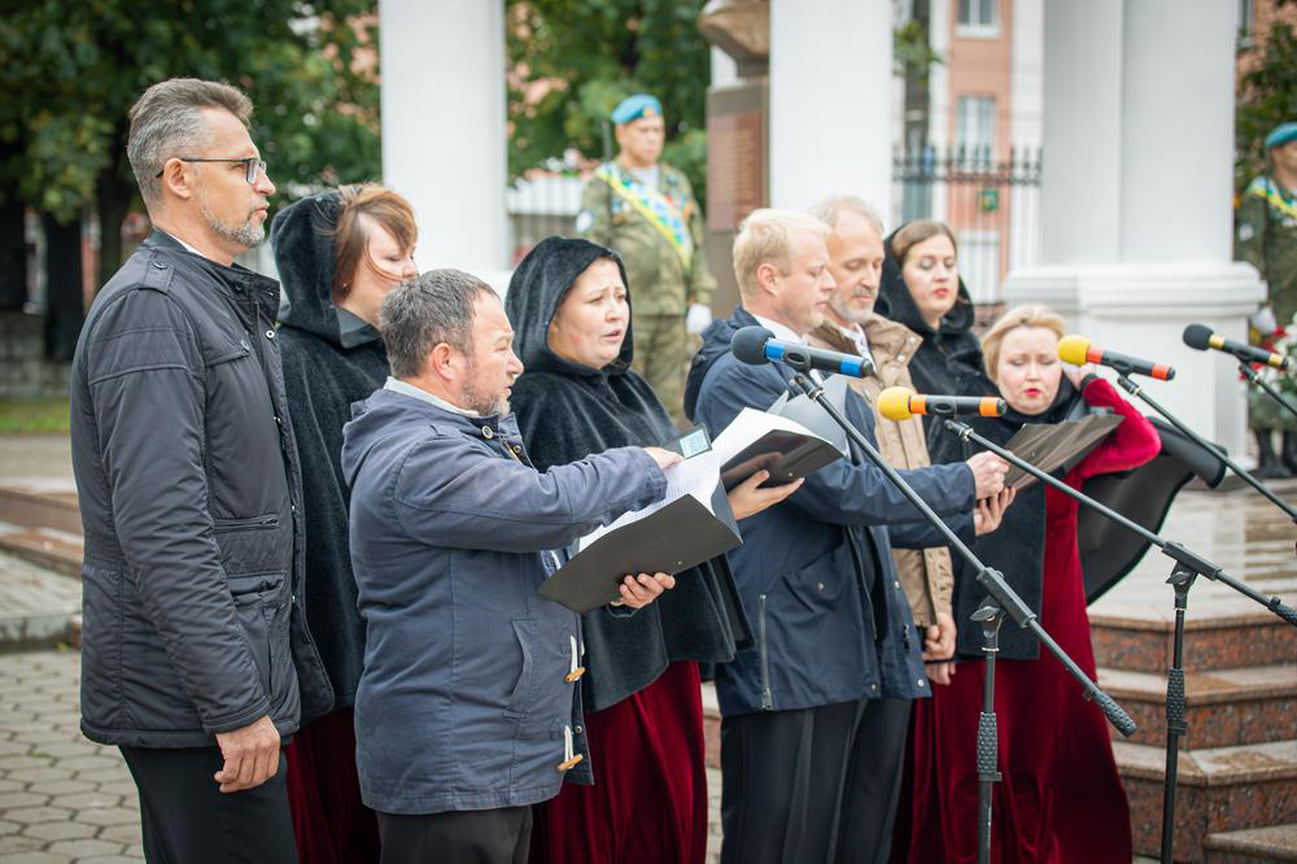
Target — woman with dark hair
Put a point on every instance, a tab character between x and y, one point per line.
570	309
339	254
1060	799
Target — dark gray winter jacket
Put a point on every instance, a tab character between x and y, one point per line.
189	486
468	699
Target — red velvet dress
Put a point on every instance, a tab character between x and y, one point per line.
330	823
649	801
1060	799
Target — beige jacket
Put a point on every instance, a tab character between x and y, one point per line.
926	575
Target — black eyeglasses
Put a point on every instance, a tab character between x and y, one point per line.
254	165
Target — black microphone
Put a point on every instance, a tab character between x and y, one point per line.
1077	350
1202	337
757	345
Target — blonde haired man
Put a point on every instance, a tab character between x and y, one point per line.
809	745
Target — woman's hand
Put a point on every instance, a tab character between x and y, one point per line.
639	591
748	499
1077	374
989	511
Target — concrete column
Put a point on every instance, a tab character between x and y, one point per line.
1136	195
444	138
830	101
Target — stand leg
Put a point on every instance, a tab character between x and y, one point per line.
1181	580
990	615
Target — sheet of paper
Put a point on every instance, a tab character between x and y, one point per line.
748	427
696	476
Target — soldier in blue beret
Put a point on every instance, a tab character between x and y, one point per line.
1267	239
645	211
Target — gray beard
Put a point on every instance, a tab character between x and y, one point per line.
849	317
246	235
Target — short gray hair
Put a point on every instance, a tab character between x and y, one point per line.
419	315
168	121
830	210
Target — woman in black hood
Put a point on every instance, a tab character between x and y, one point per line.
338	255
922	289
570	309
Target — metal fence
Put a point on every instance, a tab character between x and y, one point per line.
991	204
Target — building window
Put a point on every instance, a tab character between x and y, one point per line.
979	17
975	128
1246	22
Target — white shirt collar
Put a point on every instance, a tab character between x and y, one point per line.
780	331
188	248
400	386
856	334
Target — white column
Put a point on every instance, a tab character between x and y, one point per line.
830	101
724	70
1136	194
444	138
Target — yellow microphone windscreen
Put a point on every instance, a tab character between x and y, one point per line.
894	403
1073	349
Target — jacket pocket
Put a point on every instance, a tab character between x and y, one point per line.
251	523
255	600
520	696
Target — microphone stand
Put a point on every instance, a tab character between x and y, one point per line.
1188	566
1002	599
1253	377
1135	390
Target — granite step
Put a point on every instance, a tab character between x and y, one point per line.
46	547
40	502
1253	845
1223	630
1221	789
1224	707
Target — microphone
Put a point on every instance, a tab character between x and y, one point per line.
1201	338
902	403
757	345
1078	351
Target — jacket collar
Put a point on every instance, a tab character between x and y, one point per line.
890	339
237	279
452	415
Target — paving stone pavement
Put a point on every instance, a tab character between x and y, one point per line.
62	798
34	602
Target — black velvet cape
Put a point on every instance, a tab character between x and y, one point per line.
325	370
566	412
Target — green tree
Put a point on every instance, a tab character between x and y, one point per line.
73	70
572	61
1267	96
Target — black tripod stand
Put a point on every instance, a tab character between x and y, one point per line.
1188	566
1254	378
1002	599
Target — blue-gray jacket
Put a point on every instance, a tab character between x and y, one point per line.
821	637
464	702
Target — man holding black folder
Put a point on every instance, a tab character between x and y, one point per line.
469	708
815	713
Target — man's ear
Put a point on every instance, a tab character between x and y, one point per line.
442	363
767	277
177	179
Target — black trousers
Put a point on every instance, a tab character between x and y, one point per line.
500	836
812	785
186	819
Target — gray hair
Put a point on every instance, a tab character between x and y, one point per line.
419	315
830	210
168	121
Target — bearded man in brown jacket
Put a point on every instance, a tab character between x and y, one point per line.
852	327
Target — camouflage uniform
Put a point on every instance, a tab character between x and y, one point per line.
663	281
1267	239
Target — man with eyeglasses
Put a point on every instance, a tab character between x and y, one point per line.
196	661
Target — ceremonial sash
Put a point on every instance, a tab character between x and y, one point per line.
1264	189
655	207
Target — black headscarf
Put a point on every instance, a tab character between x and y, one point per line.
948	357
566	412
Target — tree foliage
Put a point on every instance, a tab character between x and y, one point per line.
72	71
1267	96
574	60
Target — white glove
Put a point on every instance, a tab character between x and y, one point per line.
1262	319
698	318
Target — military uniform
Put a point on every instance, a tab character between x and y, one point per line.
1267	239
658	232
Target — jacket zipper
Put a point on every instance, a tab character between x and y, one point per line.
226	525
767	699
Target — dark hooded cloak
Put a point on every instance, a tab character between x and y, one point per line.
566	412
947	357
331	359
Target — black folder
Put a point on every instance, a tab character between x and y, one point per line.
1054	446
787	454
674	538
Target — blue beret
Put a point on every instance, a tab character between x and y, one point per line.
635	107
1280	135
